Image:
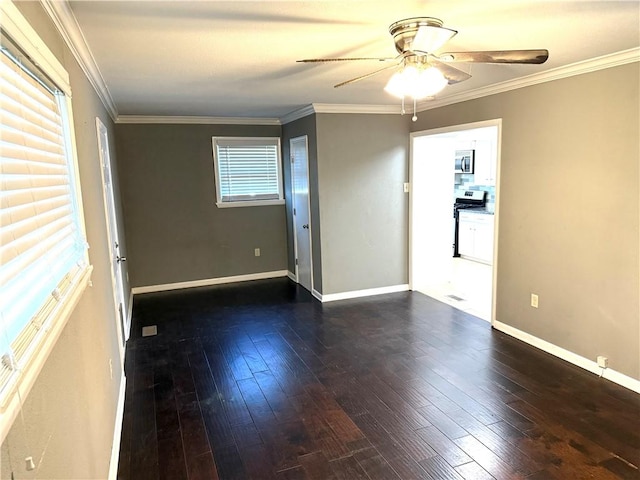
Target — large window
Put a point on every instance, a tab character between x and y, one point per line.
248	171
43	252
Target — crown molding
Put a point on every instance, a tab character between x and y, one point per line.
297	114
372	109
339	108
578	68
288	118
66	23
192	120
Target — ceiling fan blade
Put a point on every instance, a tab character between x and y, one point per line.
362	77
498	56
452	74
322	60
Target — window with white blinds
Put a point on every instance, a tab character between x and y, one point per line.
248	171
43	252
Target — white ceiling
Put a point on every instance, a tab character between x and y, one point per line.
238	58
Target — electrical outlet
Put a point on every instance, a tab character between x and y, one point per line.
405	187
256	252
603	362
29	465
534	300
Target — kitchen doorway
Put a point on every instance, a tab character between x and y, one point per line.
468	281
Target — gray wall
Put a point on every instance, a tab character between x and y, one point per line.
175	232
304	126
569	210
362	165
69	415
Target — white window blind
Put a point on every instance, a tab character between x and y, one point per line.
247	169
42	246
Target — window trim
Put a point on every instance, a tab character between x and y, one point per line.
16	26
23	34
247	203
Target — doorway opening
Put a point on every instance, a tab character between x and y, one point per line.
455	261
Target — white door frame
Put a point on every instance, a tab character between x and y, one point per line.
293	205
117	279
457	128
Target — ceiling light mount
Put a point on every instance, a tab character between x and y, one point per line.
424	34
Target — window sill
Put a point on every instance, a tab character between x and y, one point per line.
249	203
10	402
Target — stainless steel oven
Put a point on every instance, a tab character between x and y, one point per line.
469	199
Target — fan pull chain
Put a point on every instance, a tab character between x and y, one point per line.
415	117
403	112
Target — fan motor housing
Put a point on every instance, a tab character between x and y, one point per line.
404	31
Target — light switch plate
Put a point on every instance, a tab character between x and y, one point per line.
534	300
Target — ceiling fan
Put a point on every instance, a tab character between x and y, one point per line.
421	72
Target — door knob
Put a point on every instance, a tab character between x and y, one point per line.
121	259
305	226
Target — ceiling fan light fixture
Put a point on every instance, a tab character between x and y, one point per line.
423	73
394	86
416	83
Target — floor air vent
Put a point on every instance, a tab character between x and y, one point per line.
150	331
455	297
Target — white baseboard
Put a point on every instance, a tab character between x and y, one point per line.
292	276
332	297
209	281
580	361
117	431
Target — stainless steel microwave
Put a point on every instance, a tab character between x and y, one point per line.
464	161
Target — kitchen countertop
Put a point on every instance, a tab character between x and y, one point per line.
477	211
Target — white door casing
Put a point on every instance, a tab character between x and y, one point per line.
301	216
112	233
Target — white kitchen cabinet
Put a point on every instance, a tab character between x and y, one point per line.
475	236
484	172
466	234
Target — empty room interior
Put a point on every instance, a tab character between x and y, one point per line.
320	240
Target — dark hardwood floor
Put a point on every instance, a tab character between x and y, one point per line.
259	381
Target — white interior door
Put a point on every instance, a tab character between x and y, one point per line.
112	231
301	214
